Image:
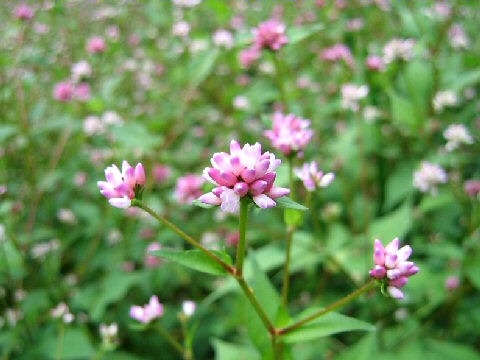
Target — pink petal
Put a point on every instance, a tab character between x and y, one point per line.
264	201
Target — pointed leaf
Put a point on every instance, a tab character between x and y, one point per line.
287	203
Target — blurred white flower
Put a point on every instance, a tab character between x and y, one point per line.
2	233
352	94
371	113
42	249
457	134
13	316
112	118
458	38
59	311
93	125
398	49
66	216
443	99
189	307
241	103
68	318
80	70
181	28
223	38
187	3
198	45
428	177
108	333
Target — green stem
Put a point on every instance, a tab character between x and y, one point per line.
171	341
242	227
60	340
290	231
279	80
256	305
183	235
369	285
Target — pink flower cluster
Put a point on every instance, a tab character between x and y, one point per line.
148	312
189	188
391	266
66	91
243	172
289	133
96	45
336	53
312	177
268	35
120	187
23	12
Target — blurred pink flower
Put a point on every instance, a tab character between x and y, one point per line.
63	91
161	173
337	52
223	38
270	35
96	45
392	267
120	187
375	63
249	56
243	172
352	94
458	38
148	312
428	177
312	177
189	187
150	260
181	28
82	92
232	238
472	187
452	282
23	12
289	133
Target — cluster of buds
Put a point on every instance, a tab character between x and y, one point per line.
147	313
243	172
392	267
268	35
289	133
122	186
312	177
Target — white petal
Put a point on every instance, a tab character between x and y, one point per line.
121	203
264	201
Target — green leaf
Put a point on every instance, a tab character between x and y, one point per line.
229	351
198	203
299	33
394	224
75	345
201	67
399	185
364	349
331	323
293	217
196	260
452	351
287	203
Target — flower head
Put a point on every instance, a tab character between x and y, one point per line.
443	99
398	49
151	260
352	94
392	267
96	45
458	38
452	282
64	91
472	187
428	177
223	38
337	52
121	186
457	134
23	12
312	177
289	133
375	63
243	172
189	307
80	70
148	312
249	56
270	35
189	187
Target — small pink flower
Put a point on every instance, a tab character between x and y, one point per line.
472	187
23	12
161	173
452	282
189	187
336	53
249	56
96	45
232	238
289	133
82	92
375	63
148	312
392	267
243	172
150	260
120	187
270	35
312	177
64	91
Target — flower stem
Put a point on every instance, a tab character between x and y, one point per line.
256	305
183	235
171	340
369	285
290	231
279	80
242	227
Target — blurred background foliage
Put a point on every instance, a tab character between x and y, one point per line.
164	97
